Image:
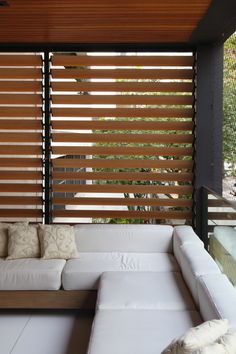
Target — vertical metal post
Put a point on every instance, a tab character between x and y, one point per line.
208	130
47	140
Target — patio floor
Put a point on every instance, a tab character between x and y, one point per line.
58	332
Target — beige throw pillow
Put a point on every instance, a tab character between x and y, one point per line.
57	241
23	241
197	337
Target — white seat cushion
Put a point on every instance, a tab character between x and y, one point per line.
31	274
84	273
138	332
144	290
124	238
196	261
182	235
217	298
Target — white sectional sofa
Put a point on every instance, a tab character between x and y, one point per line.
154	282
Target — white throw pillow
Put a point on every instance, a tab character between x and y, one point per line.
23	241
57	241
228	341
197	337
214	348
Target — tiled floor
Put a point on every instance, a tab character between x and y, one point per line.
44	332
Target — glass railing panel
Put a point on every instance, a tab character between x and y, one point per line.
221	228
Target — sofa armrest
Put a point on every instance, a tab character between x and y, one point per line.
184	235
217	298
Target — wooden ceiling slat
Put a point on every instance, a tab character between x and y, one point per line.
104	21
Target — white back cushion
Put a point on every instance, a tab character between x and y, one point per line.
217	298
196	261
124	238
182	235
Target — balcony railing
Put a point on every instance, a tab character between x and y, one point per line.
219	217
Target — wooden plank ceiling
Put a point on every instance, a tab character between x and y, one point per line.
100	21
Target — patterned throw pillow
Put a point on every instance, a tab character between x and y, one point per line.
198	337
57	241
23	241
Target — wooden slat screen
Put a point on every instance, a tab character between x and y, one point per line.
122	137
21	142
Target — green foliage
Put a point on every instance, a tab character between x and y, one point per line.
229	127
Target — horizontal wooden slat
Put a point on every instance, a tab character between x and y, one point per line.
21	175
27	124
21	99
123	176
222	215
19	86
217	203
123	86
115	188
121	150
82	60
21	112
20	138
129	138
20	73
123	112
20	150
121	125
22	187
123	201
123	100
122	214
109	163
21	201
27	162
135	74
21	213
20	60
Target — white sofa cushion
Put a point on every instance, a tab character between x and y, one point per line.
217	298
183	235
31	274
124	238
196	261
138	332
84	273
144	290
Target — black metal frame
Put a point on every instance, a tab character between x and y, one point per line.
47	140
209	124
